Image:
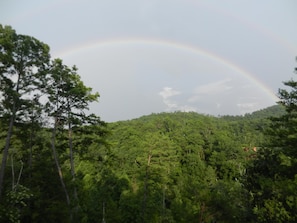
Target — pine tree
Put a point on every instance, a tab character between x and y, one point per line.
23	66
273	178
68	101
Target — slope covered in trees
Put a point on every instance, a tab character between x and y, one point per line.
61	164
184	167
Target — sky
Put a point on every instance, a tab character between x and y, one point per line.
213	57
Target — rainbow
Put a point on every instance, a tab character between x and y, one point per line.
160	43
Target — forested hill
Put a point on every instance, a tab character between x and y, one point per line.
173	165
242	130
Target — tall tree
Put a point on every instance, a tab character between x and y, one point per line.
23	64
68	101
272	178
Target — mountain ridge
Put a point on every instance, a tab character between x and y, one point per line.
271	111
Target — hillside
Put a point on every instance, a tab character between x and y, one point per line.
170	161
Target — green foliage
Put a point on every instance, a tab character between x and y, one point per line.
26	80
183	167
15	200
167	167
272	177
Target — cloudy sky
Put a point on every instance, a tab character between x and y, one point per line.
148	56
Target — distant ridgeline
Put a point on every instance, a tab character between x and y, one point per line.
272	111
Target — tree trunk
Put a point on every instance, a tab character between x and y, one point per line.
5	152
58	164
72	168
9	134
145	194
72	157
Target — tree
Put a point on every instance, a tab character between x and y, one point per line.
272	176
68	100
23	66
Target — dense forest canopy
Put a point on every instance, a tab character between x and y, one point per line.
62	164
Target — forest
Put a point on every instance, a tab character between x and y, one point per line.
61	163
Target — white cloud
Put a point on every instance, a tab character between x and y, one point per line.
172	105
168	92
